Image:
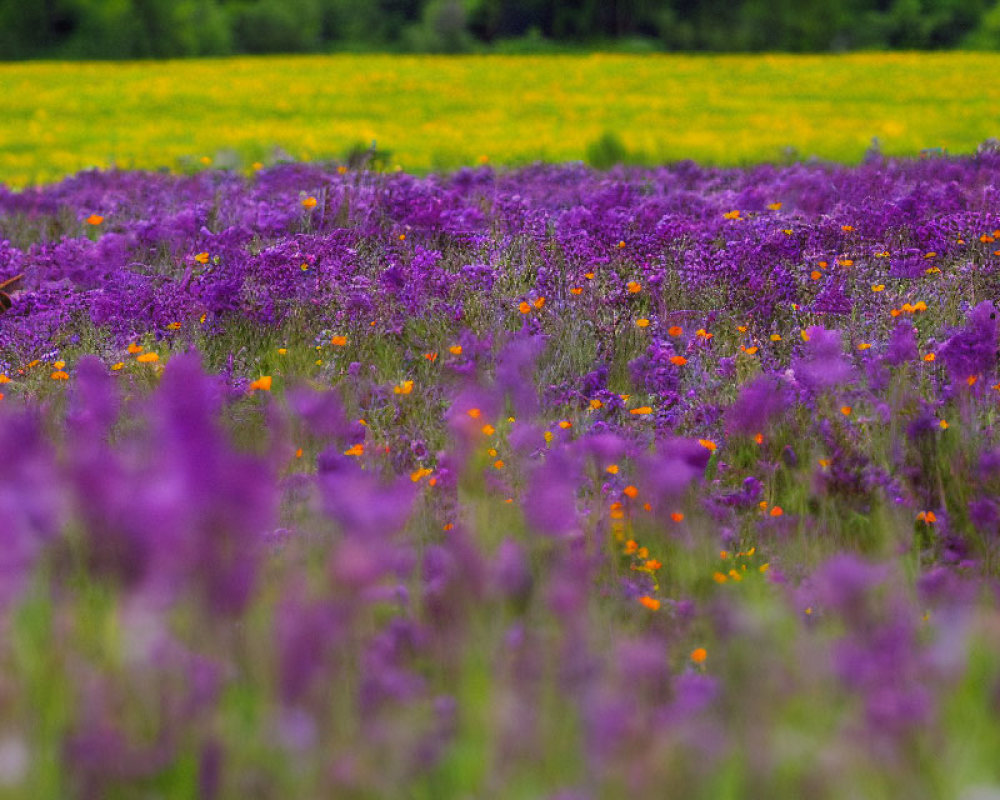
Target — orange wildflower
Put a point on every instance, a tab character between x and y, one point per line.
633	287
641	411
698	655
675	330
148	358
95	219
309	202
355	450
679	361
650	602
262	383
339	341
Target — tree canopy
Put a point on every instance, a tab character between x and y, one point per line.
119	29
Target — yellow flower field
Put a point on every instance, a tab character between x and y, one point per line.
438	112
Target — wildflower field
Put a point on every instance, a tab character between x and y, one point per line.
330	482
443	112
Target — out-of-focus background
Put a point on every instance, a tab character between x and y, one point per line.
426	85
106	29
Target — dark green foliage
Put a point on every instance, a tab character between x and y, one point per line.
178	28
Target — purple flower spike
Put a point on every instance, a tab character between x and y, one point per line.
824	364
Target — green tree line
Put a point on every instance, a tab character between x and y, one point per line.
117	29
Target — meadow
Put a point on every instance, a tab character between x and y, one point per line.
430	112
546	482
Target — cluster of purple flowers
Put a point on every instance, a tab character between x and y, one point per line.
546	482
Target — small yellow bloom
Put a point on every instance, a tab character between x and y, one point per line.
878	287
59	375
148	358
403	388
419	474
774	206
118	366
282	351
202	258
641	411
309	202
734	214
611	469
455	349
174	326
135	348
565	424
642	323
633	287
596	404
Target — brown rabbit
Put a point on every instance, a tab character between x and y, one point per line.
8	285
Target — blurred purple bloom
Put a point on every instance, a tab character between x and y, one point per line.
823	363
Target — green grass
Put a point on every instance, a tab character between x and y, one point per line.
434	112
